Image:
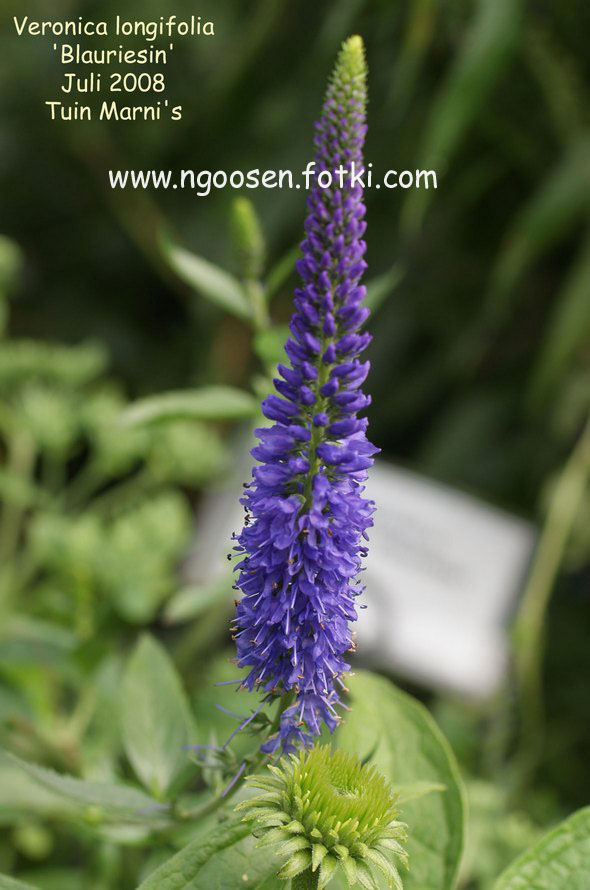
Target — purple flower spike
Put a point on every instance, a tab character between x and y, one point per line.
306	516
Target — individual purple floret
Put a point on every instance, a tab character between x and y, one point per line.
306	514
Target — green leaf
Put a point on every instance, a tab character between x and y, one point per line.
70	366
142	546
271	883
413	790
155	716
269	345
47	878
193	600
279	274
491	37
224	859
7	883
561	199
567	329
103	801
561	859
26	640
488	43
207	403
409	749
381	287
22	796
208	280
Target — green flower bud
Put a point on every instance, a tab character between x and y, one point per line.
327	811
248	238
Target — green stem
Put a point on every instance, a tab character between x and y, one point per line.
530	621
306	880
215	803
317	433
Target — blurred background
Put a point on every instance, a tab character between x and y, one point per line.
480	365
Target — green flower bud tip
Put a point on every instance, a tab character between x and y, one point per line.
351	66
326	811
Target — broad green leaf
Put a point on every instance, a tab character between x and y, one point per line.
402	740
559	861
155	717
23	796
7	883
241	866
207	403
208	280
101	800
406	791
223	860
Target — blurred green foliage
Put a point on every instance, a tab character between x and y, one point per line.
480	370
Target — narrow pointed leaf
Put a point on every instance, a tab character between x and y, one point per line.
206	403
208	280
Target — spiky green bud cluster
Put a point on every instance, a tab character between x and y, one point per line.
327	810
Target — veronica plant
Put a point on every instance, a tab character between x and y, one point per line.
306	514
328	815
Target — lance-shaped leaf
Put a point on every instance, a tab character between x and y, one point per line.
208	280
101	800
206	403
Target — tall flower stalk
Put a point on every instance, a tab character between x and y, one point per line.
302	542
